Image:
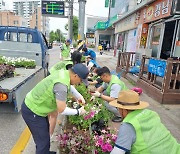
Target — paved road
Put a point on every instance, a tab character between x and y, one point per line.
12	124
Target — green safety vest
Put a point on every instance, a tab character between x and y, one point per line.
65	51
115	80
41	99
152	137
60	65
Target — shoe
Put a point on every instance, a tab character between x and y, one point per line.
52	152
117	119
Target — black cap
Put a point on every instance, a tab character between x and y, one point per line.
82	71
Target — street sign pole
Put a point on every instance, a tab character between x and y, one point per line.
81	19
70	20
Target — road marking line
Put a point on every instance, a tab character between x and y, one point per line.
21	142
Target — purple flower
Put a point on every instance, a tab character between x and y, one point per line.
92	113
100	141
108	147
87	117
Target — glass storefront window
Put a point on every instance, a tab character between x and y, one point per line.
179	34
156	32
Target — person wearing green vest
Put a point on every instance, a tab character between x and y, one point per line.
65	50
141	131
47	96
112	86
65	65
68	63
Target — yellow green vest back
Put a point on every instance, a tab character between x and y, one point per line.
65	52
60	65
115	80
152	137
41	99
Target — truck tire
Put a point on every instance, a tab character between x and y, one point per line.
46	71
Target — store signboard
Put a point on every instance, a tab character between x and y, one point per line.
100	25
157	10
53	8
89	35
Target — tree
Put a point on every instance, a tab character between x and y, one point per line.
56	36
59	36
75	27
52	36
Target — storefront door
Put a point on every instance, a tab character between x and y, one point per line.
168	39
176	52
155	40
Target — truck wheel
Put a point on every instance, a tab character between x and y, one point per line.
46	71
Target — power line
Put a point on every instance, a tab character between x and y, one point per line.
88	14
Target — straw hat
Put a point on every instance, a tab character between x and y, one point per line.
129	99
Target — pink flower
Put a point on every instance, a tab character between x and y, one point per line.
103	147
87	117
114	137
108	140
92	113
100	141
108	147
97	144
103	131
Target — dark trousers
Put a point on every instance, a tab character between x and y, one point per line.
39	127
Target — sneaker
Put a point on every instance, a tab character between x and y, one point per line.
117	119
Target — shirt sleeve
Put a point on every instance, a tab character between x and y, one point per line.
126	137
74	92
115	89
60	91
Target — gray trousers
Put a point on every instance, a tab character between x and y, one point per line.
112	109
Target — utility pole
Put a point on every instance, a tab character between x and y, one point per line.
109	13
81	19
70	20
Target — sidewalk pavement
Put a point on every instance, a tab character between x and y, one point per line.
169	114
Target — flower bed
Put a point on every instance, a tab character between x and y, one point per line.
95	110
74	140
6	71
18	62
89	132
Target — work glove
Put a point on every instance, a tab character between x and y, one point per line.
96	94
82	111
90	78
92	98
81	100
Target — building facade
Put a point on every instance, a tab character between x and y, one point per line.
31	11
26	8
151	28
2	5
8	18
90	29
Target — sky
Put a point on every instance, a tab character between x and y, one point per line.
93	7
